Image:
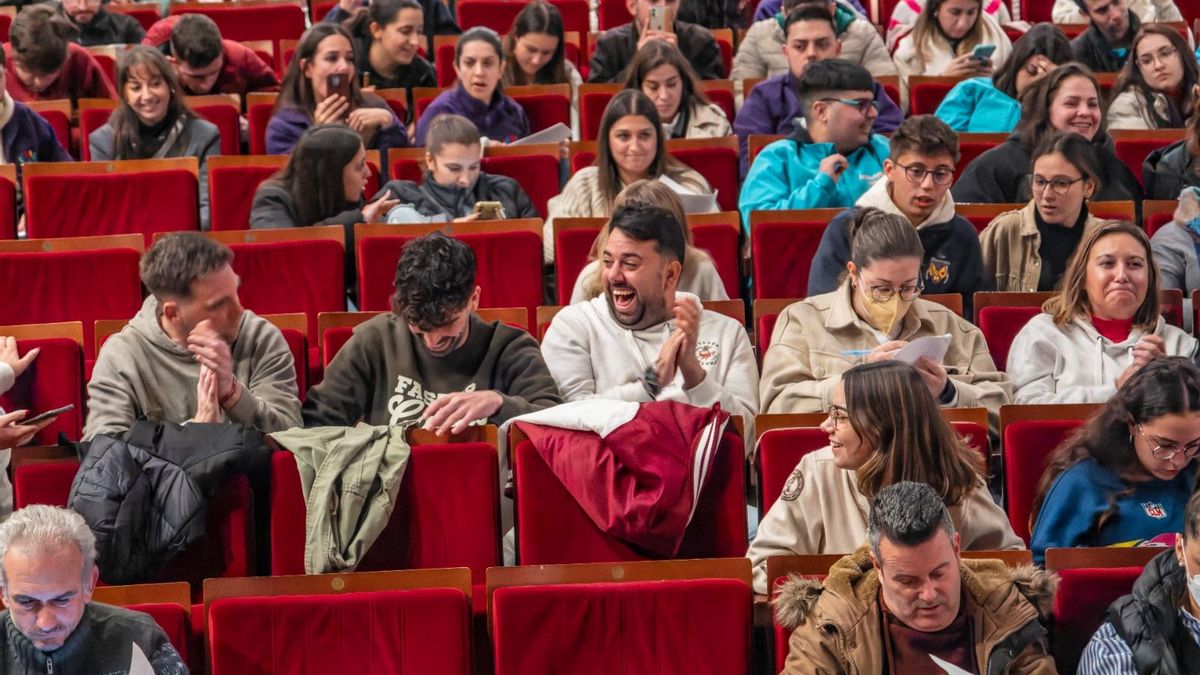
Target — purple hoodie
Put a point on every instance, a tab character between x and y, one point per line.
286	125
503	120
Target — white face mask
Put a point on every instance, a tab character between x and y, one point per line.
1193	583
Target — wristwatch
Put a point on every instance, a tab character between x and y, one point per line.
650	382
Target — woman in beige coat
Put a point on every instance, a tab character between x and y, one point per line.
1157	87
661	72
943	41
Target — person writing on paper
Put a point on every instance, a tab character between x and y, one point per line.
907	597
871	316
630	147
883	426
51	625
1101	327
453	186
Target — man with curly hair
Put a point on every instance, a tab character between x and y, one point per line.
432	358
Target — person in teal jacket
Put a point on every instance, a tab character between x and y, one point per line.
991	104
833	158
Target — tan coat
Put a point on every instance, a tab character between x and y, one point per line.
819	338
939	54
837	624
708	121
822	511
1129	111
1010	249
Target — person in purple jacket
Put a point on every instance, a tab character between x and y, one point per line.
773	106
478	95
324	55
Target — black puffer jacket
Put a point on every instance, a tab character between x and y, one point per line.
432	200
146	497
1148	620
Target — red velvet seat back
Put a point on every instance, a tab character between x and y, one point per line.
571	251
332	342
228	125
298	345
723	98
783	254
403	168
779	451
91	119
537	175
43	483
231	193
1080	604
719	166
273	22
926	96
552	528
1000	326
495	14
1155	221
175	622
721	242
447	513
545	110
675	627
765	328
53	380
292	276
967	152
591	111
145	202
1027	446
8	209
612	13
1132	152
61	124
380	632
63	286
258	116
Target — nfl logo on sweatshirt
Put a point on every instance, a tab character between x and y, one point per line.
1154	510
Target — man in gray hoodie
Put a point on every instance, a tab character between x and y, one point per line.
192	353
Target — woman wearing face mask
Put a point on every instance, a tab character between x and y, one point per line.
943	42
1101	327
993	104
1156	628
630	148
325	58
1126	475
153	121
42	61
662	74
1157	87
387	35
873	314
534	53
478	94
1067	99
453	183
1028	249
883	427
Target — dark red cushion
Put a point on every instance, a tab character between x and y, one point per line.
536	174
675	627
765	327
545	110
1082	599
298	346
926	96
226	118
258	116
783	254
273	22
91	119
292	276
779	451
571	251
332	342
721	242
1000	326
145	202
381	632
175	620
231	193
1027	446
591	111
8	209
43	483
53	380
719	166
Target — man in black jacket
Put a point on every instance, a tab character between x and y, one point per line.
98	26
1105	45
616	47
47	575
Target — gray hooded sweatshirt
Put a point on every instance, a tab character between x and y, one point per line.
141	373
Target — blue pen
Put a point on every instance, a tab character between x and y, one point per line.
856	352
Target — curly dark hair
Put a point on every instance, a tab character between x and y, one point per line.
435	279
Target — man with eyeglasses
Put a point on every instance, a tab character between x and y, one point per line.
774	105
916	185
1105	45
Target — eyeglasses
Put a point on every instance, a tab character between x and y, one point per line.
837	414
1147	60
1166	451
916	174
885	293
1059	185
862	104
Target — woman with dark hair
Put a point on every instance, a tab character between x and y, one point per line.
1028	249
479	95
153	121
42	61
629	147
321	86
1126	475
659	70
884	427
943	41
1101	327
535	53
387	35
1157	87
1067	99
993	104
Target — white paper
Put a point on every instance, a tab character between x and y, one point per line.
948	667
139	664
933	346
693	202
554	134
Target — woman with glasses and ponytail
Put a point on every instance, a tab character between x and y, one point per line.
1126	475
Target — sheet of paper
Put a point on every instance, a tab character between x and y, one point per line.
693	202
554	134
933	346
139	665
948	667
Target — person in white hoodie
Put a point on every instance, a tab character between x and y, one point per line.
642	340
12	432
1100	328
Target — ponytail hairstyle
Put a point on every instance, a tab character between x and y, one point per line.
876	235
128	139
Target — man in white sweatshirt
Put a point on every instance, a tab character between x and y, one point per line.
643	341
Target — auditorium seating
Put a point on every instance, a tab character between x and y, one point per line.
54	379
783	244
223	110
169	604
58	113
925	93
544	104
232	182
273	20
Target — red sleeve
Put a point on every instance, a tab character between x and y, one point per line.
255	72
94	82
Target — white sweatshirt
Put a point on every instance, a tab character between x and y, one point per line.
1076	364
591	355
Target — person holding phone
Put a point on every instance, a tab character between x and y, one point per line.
321	87
453	187
654	20
954	38
14	430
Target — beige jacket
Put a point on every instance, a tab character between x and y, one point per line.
1129	111
819	338
838	622
822	511
1148	11
708	121
939	54
581	198
760	53
1010	249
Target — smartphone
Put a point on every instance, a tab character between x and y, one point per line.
49	413
489	210
983	52
338	83
658	18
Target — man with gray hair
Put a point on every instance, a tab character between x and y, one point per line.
909	598
192	353
47	575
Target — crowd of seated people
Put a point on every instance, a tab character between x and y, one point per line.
896	489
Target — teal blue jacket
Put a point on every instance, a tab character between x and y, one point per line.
977	106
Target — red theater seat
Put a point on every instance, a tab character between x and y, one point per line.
783	245
224	111
1000	326
1080	604
232	182
1157	213
53	380
1132	145
43	483
544	104
251	20
573	241
925	93
58	114
719	234
766	313
1028	445
714	158
175	620
535	168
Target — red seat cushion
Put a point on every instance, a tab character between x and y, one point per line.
926	96
1155	221
91	119
545	110
53	380
292	276
537	175
1027	446
332	342
765	328
145	202
571	251
1080	603
591	111
779	451
721	242
226	117
231	193
258	116
381	632
8	209
676	627
1000	326
175	621
783	254
43	483
273	22
298	346
719	166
